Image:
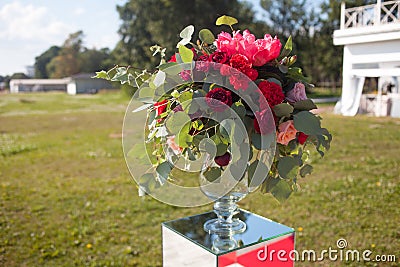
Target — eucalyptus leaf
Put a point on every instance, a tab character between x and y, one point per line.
183	136
186	54
226	20
146	106
281	191
186	35
239	108
163	170
283	110
287	167
212	174
306	169
258	170
176	121
307	123
206	36
306	104
159	79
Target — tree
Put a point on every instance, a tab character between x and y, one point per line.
44	59
141	29
286	17
67	62
95	60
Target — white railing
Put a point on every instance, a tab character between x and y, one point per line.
370	15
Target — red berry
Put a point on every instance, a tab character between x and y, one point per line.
223	160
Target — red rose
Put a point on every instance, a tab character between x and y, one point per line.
272	92
219	57
202	63
160	108
216	96
251	73
302	138
240	62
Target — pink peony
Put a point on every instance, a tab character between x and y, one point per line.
258	51
298	93
286	133
239	81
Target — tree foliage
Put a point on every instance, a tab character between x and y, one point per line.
141	28
44	59
71	58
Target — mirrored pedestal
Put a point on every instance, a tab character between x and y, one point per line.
264	243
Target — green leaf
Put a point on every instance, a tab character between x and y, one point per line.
159	79
212	174
296	74
283	110
176	121
102	75
167	65
206	36
186	35
306	104
262	171
147	183
221	149
287	48
306	169
186	54
208	146
239	108
185	96
307	123
257	139
121	75
184	137
164	169
287	167
187	32
226	20
281	191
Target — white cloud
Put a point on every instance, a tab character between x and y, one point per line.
29	22
79	11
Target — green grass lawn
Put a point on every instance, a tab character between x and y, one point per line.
67	198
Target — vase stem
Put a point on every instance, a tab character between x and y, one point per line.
225	225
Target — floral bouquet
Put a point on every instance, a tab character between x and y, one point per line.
239	99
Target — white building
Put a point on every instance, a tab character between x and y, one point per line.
76	84
371	38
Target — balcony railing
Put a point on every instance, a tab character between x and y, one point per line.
370	15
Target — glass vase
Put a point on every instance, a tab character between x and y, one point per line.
226	191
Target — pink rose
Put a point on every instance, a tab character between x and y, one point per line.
298	93
171	143
258	51
286	132
268	49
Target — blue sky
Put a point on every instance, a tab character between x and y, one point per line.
29	27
